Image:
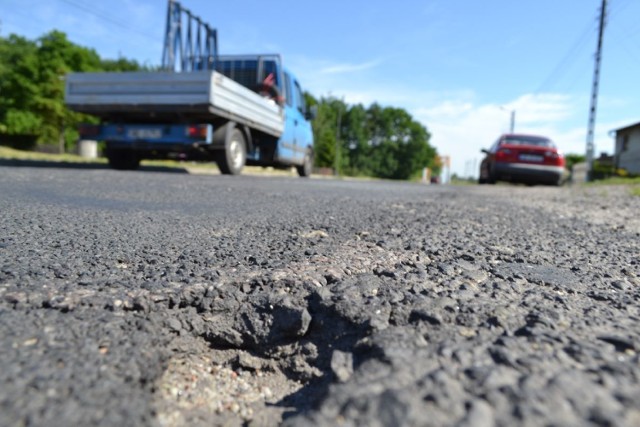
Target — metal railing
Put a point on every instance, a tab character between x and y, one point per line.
190	44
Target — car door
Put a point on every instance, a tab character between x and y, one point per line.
287	144
304	132
486	165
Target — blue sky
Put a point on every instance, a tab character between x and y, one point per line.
458	66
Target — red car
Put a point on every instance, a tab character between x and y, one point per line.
521	158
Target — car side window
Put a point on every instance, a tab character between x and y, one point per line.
289	92
299	97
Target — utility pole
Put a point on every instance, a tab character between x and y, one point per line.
513	120
594	92
336	157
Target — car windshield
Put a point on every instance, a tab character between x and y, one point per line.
528	140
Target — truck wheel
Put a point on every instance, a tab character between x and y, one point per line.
305	169
123	159
233	158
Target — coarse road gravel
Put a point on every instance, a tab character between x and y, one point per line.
167	299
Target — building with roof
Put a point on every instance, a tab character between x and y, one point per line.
627	148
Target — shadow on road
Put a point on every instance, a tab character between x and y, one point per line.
82	165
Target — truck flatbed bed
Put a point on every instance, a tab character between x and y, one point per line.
196	95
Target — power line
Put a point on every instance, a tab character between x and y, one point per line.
92	11
569	57
633	31
613	14
624	43
616	8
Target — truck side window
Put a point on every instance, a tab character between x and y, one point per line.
269	67
288	94
299	98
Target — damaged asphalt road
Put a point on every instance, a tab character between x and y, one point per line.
162	299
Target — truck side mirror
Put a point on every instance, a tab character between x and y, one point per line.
312	112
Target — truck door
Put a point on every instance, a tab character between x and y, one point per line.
289	148
304	132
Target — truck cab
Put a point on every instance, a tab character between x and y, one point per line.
266	76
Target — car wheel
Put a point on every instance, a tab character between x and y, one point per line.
232	160
482	179
486	177
306	168
491	177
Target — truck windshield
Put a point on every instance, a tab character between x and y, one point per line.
249	72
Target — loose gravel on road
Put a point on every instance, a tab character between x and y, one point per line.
167	299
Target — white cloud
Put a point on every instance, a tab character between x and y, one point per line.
349	68
542	108
447	110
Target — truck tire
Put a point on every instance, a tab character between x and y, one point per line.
231	161
123	159
305	169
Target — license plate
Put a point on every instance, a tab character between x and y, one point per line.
531	158
144	133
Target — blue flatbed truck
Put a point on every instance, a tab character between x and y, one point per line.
235	110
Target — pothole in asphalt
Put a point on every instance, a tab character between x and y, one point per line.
262	349
211	387
209	384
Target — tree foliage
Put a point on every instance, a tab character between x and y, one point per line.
32	83
378	141
573	158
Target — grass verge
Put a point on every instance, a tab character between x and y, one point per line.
13	154
632	183
7	153
617	180
10	154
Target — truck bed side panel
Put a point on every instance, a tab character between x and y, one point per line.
203	95
229	96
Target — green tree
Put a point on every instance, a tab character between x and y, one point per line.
32	75
18	85
356	139
325	132
121	64
572	158
398	145
57	56
377	141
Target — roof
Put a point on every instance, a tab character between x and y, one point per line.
524	135
627	127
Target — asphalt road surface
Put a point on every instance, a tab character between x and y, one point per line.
166	299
